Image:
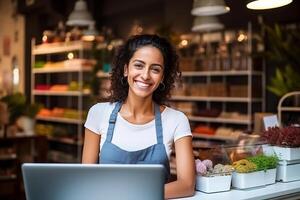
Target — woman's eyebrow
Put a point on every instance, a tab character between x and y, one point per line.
156	64
137	60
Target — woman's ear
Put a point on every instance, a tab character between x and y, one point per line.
125	70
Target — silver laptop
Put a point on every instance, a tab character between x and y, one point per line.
93	181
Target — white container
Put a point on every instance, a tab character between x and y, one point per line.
286	153
213	183
270	176
288	172
268	150
248	180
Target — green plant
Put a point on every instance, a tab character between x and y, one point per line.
284	81
264	162
283	53
17	107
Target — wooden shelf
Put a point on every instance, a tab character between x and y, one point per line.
8	177
65	140
290	109
60	47
60	93
60	119
215	99
101	74
220	120
220	73
59	156
8	157
61	69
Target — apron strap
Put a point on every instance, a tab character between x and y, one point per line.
158	124
112	121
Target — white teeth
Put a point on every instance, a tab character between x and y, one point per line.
141	84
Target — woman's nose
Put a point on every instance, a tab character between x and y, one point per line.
145	74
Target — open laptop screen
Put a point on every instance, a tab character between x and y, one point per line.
93	181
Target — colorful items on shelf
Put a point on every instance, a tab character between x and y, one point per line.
72	86
42	87
208	112
51	130
213	89
220	131
70	63
204	130
59	87
61	113
39	64
44	129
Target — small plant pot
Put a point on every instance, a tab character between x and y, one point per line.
286	153
270	176
248	180
210	184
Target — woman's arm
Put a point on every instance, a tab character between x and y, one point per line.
91	147
185	167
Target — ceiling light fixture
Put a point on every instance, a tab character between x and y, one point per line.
80	16
209	7
90	33
267	4
207	24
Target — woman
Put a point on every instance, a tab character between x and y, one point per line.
136	126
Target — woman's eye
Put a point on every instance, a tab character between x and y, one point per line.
138	66
156	70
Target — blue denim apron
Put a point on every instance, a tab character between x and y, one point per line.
155	154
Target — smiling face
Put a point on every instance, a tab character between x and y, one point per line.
144	71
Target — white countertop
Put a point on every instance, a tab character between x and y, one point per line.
265	192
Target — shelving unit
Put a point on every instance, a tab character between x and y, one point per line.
65	108
205	73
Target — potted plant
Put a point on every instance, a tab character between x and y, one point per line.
283	53
268	164
247	175
285	141
211	178
286	145
21	114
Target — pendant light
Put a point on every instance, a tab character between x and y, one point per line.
90	33
209	7
80	16
267	4
206	24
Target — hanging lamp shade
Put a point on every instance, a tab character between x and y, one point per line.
90	33
267	4
207	24
80	16
209	7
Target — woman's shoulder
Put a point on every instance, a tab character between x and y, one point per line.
103	106
173	113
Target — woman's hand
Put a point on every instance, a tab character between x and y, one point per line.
185	168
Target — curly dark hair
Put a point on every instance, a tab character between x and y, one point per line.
119	86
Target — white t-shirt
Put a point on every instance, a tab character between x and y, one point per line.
133	137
